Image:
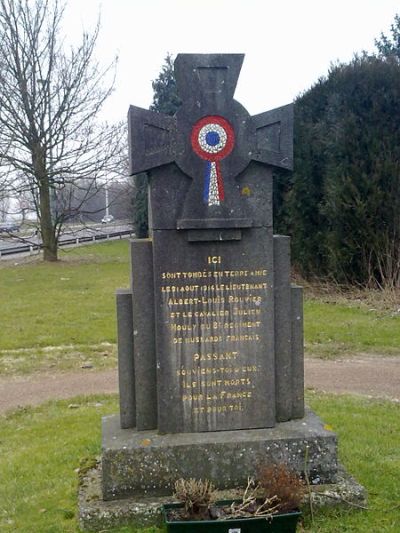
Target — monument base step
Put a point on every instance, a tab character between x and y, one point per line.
146	463
95	514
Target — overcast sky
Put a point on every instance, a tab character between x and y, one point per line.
288	44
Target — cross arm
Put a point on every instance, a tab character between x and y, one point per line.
152	139
274	137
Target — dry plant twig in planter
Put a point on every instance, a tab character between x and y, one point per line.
195	493
252	504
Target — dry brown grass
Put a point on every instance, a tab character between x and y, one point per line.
277	480
383	300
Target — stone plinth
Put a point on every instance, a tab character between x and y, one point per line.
145	462
95	514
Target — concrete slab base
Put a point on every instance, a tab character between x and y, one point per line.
95	514
138	469
146	463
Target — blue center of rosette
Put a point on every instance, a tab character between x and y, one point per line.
212	138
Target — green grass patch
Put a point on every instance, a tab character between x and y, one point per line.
41	449
332	329
368	432
40	452
68	306
24	361
63	303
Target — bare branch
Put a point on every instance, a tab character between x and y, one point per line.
50	98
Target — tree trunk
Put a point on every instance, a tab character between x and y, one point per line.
47	228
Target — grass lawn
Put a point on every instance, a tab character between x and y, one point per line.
41	448
332	329
59	316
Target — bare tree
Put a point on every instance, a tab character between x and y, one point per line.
50	97
4	206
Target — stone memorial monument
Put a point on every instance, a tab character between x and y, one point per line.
210	334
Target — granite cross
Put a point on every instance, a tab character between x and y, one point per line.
209	344
206	145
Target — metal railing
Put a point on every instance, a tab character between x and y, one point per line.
36	247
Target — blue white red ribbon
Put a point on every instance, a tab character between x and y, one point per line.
213	139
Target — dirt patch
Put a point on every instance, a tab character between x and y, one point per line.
373	376
38	388
378	377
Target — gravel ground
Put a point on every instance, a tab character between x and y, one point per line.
373	376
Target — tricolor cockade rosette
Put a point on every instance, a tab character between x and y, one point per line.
213	139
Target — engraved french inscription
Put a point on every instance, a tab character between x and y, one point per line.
214	321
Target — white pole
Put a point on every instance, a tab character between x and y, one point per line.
107	206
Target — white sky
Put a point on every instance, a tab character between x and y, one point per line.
288	44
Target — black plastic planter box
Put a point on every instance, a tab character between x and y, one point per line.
279	523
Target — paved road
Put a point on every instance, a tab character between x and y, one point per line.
377	377
20	239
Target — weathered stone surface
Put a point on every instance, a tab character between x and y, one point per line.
153	136
345	493
95	514
144	334
126	371
214	316
148	463
283	326
169	186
